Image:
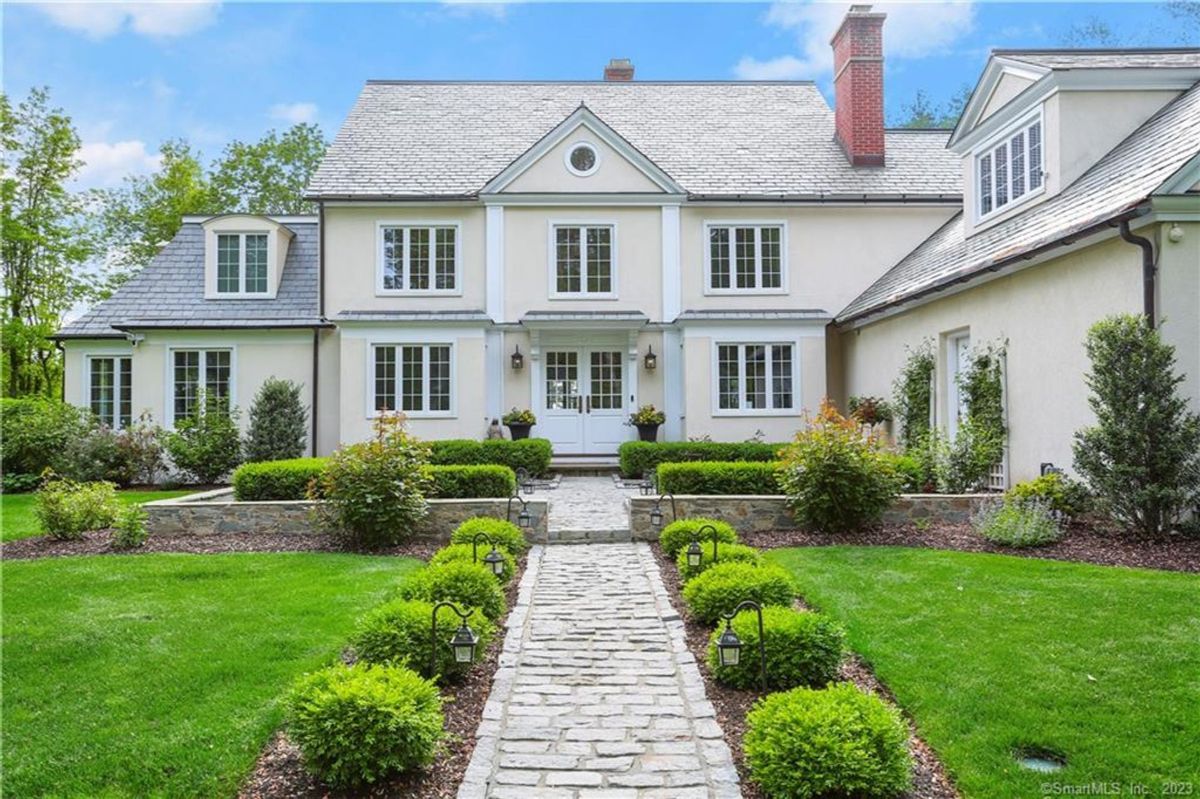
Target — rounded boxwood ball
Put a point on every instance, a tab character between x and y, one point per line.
719	589
399	633
726	553
835	741
802	648
466	584
504	533
356	725
678	534
464	553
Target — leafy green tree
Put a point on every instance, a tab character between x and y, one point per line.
278	422
269	176
923	112
45	241
1142	457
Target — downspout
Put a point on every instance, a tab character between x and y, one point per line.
1148	269
316	345
316	384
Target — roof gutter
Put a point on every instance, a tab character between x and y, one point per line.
1027	255
1148	268
297	326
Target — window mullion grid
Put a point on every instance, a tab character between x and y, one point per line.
743	397
758	258
426	378
405	259
242	262
584	268
769	388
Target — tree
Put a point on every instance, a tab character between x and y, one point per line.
46	241
924	113
146	212
278	422
269	176
1142	457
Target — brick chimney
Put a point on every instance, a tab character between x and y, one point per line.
858	85
619	69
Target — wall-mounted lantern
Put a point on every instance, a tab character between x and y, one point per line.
518	360
651	360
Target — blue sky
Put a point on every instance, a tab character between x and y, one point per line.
134	74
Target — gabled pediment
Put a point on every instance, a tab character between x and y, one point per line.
1002	81
582	155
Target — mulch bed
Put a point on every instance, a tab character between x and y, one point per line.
929	777
279	772
1083	543
99	542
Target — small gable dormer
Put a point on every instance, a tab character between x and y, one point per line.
244	256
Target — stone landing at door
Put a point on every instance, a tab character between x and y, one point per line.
588	509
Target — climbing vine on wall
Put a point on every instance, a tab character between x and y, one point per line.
913	395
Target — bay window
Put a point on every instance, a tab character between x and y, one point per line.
414	378
1011	169
419	258
745	257
755	377
110	390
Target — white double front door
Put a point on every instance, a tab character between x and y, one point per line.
583	399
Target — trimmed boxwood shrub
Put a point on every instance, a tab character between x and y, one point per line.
268	481
463	552
468	585
641	457
504	533
531	454
399	632
719	589
678	534
726	553
835	741
719	477
469	482
802	649
356	725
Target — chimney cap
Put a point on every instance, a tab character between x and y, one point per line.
618	69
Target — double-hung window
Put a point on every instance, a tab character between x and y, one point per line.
419	258
1010	170
242	263
583	260
196	373
754	378
110	389
745	257
414	378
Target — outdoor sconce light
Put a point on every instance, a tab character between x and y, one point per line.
518	360
462	644
493	560
524	518
651	360
729	646
656	514
694	553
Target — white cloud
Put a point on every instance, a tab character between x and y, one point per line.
912	30
157	19
294	113
494	9
106	164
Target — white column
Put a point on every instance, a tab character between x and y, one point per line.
672	304
494	261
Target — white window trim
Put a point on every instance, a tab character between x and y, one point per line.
381	225
706	247
715	373
552	260
373	412
87	383
988	147
582	173
241	293
169	375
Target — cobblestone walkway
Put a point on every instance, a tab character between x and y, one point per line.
597	694
589	508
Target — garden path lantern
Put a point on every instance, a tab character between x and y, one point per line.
462	644
656	514
524	480
729	645
695	554
524	517
493	560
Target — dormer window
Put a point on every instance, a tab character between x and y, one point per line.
1010	169
241	263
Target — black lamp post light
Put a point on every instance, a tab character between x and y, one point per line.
493	560
729	646
462	643
524	518
694	553
656	514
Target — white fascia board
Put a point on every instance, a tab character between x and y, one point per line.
996	68
1184	178
572	199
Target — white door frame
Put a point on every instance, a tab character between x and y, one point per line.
585	343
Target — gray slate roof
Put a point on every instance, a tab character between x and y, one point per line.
1118	182
426	139
1166	58
169	292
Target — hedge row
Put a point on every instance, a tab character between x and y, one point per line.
640	457
719	478
289	480
530	454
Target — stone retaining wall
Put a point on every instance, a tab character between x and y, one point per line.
761	513
216	512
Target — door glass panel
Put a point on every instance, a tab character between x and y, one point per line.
562	381
605	386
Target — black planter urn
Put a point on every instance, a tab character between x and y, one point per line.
519	430
647	432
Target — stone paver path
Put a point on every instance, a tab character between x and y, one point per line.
589	509
597	694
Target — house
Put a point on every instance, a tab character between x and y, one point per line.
730	252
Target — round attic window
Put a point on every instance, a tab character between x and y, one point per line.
582	159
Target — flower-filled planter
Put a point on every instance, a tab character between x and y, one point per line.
519	423
647	419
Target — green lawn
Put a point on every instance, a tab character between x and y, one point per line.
17	519
989	653
161	675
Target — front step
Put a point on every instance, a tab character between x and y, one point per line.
588	537
589	465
